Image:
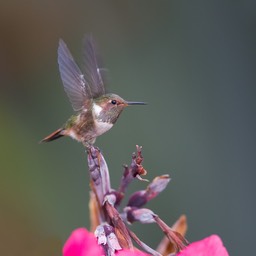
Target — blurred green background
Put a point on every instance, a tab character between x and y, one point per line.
192	61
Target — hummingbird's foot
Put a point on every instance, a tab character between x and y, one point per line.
91	149
89	144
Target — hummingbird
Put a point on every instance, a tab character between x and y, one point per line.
96	111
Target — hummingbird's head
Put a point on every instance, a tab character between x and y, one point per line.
109	106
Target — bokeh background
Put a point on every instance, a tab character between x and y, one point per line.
192	61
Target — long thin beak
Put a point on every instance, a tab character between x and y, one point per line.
135	103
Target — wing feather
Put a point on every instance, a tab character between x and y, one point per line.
75	84
92	71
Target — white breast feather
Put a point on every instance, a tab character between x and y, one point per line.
101	127
96	109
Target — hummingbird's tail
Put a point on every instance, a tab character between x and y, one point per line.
54	136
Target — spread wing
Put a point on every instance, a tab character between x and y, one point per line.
93	73
75	83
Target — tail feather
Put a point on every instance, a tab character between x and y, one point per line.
53	136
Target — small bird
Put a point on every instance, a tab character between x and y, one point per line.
96	110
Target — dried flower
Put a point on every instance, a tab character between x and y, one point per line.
105	202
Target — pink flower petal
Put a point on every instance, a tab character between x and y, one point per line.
210	246
82	243
135	252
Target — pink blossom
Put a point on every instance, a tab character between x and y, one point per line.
131	253
83	243
210	246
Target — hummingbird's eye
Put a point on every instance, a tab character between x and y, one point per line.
113	102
